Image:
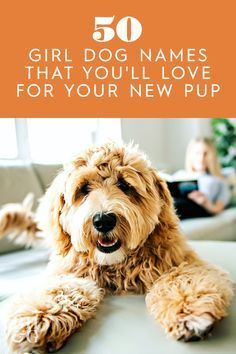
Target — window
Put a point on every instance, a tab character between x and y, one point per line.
8	142
57	139
53	140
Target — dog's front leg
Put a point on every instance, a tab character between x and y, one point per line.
189	299
42	320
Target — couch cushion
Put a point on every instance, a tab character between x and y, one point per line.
122	323
221	227
46	173
20	269
16	182
7	246
218	252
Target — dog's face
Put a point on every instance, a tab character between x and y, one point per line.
105	203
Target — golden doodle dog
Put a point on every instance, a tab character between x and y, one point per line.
114	230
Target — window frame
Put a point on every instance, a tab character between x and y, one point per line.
23	145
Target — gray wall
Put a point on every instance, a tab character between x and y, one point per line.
148	133
164	139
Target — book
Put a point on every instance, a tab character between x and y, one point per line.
180	186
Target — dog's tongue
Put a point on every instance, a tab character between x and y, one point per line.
106	241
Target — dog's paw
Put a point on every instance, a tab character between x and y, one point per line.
32	335
192	328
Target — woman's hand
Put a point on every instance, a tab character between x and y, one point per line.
198	197
201	199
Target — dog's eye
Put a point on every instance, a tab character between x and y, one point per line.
82	191
123	185
85	189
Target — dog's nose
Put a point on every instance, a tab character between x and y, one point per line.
104	222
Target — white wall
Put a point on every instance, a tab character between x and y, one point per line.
148	133
164	139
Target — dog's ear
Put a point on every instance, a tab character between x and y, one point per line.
167	217
48	215
162	189
167	239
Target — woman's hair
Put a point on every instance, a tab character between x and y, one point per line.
213	164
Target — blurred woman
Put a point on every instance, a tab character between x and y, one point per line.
213	193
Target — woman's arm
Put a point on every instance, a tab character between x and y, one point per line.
201	199
214	208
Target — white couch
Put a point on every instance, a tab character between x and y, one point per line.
122	324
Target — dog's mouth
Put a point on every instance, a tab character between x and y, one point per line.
106	244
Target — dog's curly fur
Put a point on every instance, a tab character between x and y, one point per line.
18	224
184	293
